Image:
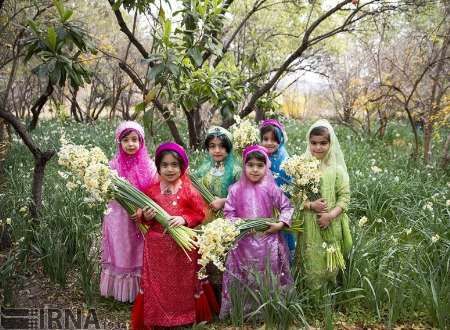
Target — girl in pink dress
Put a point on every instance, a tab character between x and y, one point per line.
122	242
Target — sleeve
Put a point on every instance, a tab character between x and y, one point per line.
229	210
342	189
282	203
194	209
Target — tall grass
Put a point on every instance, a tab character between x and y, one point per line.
397	272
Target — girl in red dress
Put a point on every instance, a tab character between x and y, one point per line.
170	291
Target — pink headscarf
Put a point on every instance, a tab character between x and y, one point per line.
251	195
138	169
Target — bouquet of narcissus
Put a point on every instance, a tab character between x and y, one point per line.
217	238
305	175
89	170
244	134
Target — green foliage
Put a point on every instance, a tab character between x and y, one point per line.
59	44
397	271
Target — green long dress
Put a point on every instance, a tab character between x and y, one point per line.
311	253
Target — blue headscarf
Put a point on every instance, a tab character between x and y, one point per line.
278	157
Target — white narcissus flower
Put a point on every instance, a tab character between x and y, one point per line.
408	231
435	238
362	221
8	221
428	206
375	169
447	202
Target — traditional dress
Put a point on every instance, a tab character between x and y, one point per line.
218	177
170	287
281	178
122	242
255	252
335	189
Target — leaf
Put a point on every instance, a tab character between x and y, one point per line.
67	15
167	29
162	14
33	26
155	71
58	4
117	5
51	38
174	69
151	95
196	55
139	107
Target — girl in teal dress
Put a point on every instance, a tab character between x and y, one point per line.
325	221
220	170
217	174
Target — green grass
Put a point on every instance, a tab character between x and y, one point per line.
398	270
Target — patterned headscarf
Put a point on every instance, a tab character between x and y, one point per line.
228	163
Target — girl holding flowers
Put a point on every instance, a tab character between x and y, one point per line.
273	138
326	225
220	170
255	195
169	280
122	242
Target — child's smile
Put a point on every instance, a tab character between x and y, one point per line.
270	142
130	143
255	170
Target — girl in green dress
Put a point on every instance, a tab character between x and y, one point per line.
325	221
217	174
220	170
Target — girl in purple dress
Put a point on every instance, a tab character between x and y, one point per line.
122	242
256	195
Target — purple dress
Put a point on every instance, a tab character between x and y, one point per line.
255	251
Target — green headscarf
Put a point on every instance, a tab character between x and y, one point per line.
228	175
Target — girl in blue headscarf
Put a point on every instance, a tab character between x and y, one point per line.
273	138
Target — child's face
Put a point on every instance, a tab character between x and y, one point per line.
169	168
130	143
217	150
270	142
319	145
255	170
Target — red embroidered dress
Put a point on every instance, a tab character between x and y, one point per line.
169	278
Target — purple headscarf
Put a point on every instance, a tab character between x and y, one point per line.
253	194
172	146
138	169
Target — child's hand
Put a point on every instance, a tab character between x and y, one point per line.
324	220
218	203
274	227
148	213
137	216
318	205
177	221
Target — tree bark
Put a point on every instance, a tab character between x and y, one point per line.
446	153
37	107
40	160
427	138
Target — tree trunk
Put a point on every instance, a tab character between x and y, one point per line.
427	137
37	107
73	105
259	115
40	160
193	139
446	154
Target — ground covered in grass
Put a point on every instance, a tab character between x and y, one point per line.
398	272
